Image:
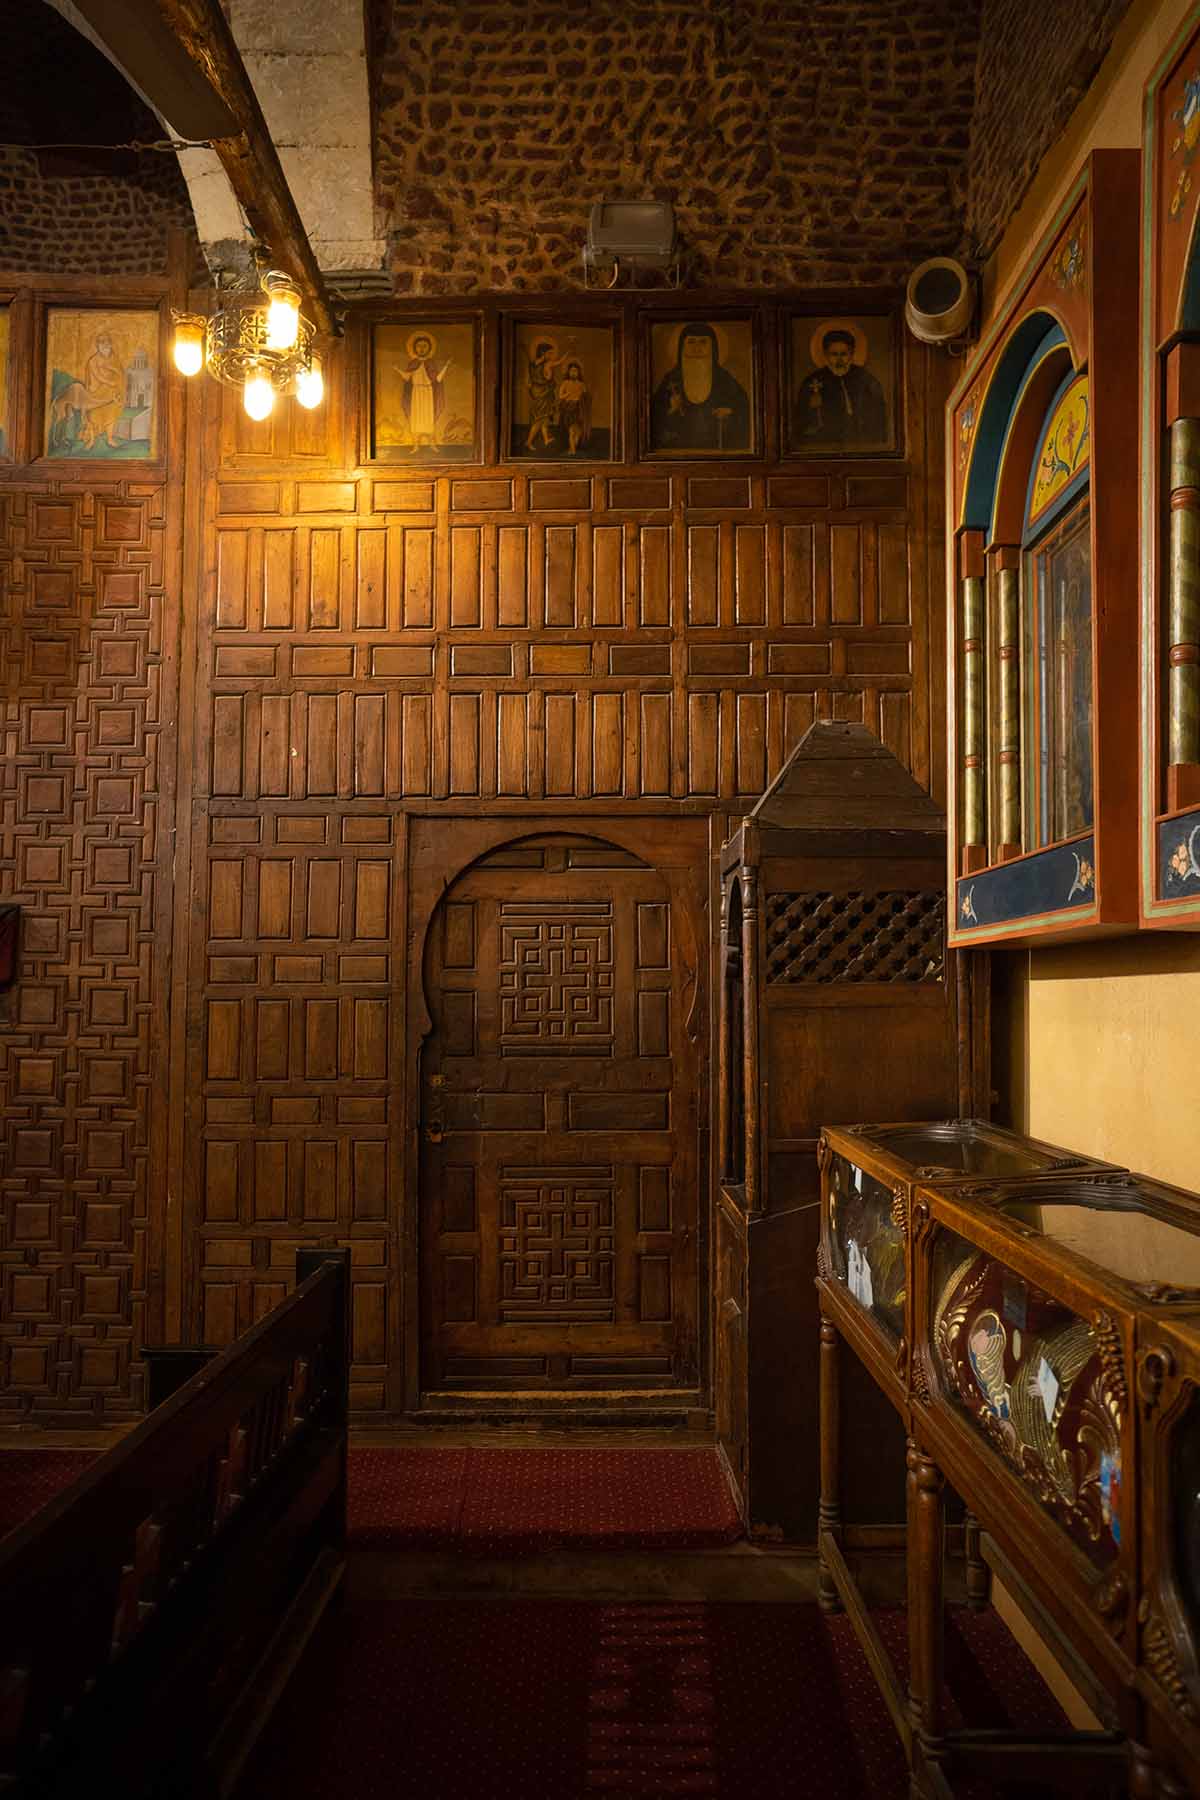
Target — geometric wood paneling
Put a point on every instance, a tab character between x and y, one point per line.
379	643
371	644
83	591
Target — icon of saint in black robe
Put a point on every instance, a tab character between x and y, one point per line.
841	402
698	404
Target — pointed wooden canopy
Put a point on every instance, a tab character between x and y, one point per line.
841	777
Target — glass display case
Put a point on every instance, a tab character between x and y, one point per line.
1030	1302
869	1173
1168	1401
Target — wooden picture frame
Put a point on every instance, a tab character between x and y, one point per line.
7	453
840	386
561	398
102	405
722	416
426	403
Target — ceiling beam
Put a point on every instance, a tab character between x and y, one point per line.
249	158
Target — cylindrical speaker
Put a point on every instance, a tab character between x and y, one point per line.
939	300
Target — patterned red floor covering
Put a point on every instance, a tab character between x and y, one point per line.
523	1502
29	1478
544	1700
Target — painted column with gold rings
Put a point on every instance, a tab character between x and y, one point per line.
1183	595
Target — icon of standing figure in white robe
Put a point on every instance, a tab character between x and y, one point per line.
423	390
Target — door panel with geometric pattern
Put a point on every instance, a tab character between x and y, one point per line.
558	1130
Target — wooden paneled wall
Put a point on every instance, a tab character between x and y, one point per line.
89	614
365	643
379	641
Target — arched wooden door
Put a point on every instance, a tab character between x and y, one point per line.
558	1163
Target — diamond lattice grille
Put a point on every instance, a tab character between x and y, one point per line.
896	936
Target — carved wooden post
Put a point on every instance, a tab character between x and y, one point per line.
829	1512
978	1574
724	1071
749	879
926	1548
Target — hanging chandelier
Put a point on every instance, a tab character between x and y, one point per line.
256	339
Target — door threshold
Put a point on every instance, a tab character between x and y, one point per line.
687	1426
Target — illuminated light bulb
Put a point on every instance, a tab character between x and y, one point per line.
258	396
283	314
189	344
310	385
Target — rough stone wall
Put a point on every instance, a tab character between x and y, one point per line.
1037	59
68	210
802	141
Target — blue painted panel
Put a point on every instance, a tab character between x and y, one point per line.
1179	857
1053	880
1029	342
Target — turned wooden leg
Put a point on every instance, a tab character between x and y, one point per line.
978	1573
829	1513
926	1550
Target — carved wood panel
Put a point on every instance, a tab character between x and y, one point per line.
380	643
558	1186
85	787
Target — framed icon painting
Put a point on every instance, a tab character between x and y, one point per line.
561	392
101	400
841	384
425	391
703	397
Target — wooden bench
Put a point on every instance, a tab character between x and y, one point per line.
151	1613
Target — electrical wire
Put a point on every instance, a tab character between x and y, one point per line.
166	145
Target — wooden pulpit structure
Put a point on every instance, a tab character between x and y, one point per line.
839	1003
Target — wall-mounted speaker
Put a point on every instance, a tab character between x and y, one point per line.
939	303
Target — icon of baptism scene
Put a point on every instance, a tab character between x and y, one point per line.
425	392
843	392
702	389
4	445
562	393
101	384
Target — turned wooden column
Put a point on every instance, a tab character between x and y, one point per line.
978	1574
829	1512
724	1069
752	1097
926	1550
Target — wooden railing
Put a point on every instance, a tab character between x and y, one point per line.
151	1612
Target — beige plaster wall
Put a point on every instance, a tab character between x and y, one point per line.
1098	1045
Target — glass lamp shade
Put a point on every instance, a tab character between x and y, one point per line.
283	314
310	385
258	396
189	344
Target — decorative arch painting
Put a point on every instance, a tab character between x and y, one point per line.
1044	845
1169	870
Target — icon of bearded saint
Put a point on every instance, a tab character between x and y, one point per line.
698	404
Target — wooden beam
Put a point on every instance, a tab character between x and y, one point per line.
250	159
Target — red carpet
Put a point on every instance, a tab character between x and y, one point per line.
525	1502
544	1700
29	1478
